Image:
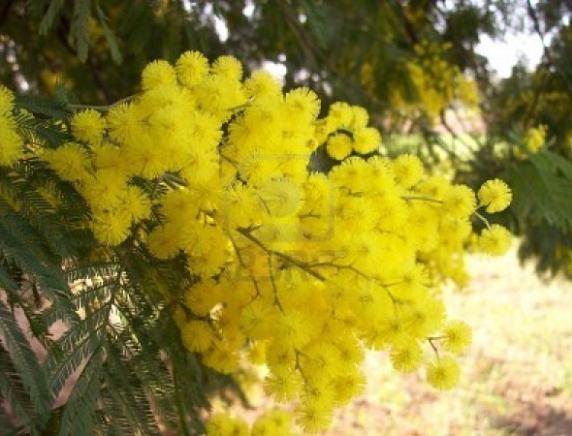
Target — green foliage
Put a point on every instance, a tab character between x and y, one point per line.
113	40
541	211
542	190
23	383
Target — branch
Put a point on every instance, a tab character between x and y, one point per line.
546	52
274	288
286	257
5	10
407	25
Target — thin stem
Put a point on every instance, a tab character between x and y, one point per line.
287	258
102	108
385	286
299	367
434	347
421	198
243	264
483	219
89	106
309	215
274	288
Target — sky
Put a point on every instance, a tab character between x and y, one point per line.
504	54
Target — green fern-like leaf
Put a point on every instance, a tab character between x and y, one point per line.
79	27
541	193
31	374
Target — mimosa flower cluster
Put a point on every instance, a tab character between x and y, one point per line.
535	138
11	145
533	141
437	82
292	268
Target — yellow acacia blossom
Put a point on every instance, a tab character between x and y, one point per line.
535	138
495	195
443	373
11	144
294	268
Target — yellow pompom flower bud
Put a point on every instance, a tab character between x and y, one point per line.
407	357
366	140
222	357
293	329
347	385
459	201
192	68
274	423
495	195
408	170
458	337
136	202
111	227
262	84
282	385
281	198
340	114
339	146
302	104
256	320
106	156
443	373
282	420
10	141
6	100
360	117
535	138
103	189
158	73
202	297
70	161
314	416
495	240
257	353
197	336
220	424
88	126
264	426
228	67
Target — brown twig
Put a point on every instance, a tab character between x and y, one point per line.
549	59
4	11
286	257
